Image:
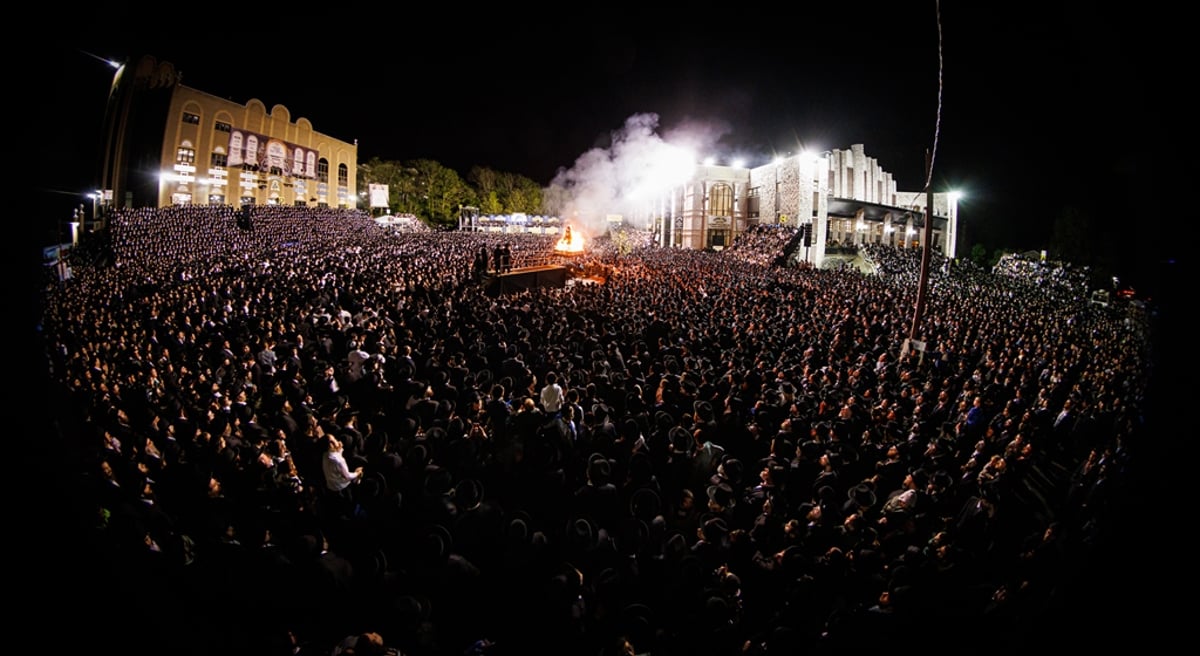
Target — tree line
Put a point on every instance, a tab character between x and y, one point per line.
438	194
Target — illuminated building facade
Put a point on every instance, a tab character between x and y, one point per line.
169	144
843	197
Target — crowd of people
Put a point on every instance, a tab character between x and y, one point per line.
317	436
765	244
1053	277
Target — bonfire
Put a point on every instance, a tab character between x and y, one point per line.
571	242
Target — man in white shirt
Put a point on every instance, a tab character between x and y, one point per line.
355	358
338	476
552	395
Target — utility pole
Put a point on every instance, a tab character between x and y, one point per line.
926	254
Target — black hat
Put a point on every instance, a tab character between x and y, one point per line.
714	529
730	470
598	468
722	494
582	533
468	493
373	487
518	530
438	542
630	428
663	419
675	546
645	504
827	495
438	480
703	409
483	377
417	456
862	496
633	536
681	441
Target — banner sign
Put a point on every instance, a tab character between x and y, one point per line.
268	153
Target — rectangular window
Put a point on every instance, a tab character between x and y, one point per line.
185	156
216	199
191	118
222	127
323	171
247	200
219	160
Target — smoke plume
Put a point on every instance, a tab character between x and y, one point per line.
635	169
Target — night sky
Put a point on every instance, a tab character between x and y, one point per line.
1028	108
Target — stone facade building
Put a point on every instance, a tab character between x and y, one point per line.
843	197
167	144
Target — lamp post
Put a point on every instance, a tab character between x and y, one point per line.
113	168
95	201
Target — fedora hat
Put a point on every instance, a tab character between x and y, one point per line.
862	495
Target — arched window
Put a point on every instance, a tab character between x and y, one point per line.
720	200
185	154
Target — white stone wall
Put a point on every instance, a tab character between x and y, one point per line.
799	188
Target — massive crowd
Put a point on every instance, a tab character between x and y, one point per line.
313	435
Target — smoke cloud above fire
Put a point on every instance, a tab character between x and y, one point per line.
628	175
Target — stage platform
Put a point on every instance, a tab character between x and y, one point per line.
525	278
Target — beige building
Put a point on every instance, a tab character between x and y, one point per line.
170	144
843	197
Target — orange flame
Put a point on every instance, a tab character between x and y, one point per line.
571	242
